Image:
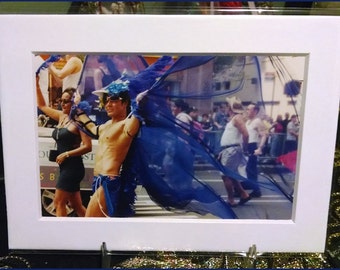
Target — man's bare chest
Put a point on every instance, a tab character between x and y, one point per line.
111	132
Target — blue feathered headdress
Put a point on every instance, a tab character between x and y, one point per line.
113	88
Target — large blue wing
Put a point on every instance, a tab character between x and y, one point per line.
166	153
163	158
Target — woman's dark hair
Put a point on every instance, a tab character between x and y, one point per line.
180	103
70	91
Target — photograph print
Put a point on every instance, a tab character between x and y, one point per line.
169	136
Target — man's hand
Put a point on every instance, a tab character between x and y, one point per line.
258	152
77	97
140	96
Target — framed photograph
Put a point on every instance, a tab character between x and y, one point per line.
276	63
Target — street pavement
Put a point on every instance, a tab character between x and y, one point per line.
275	202
277	185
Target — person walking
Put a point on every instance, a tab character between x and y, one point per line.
71	143
234	139
114	139
257	140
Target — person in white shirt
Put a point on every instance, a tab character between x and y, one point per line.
292	135
257	139
70	73
233	141
179	109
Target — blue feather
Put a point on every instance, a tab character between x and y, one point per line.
292	88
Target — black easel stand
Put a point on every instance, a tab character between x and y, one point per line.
106	260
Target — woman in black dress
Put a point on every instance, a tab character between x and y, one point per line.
71	145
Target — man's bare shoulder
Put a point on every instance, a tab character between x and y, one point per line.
104	126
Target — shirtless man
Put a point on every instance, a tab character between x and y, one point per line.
114	140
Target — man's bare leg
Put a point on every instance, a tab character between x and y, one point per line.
97	204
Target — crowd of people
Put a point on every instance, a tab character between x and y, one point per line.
281	138
238	135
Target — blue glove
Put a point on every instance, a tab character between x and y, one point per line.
51	59
82	107
137	110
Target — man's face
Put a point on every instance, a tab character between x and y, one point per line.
115	108
194	114
223	107
228	110
294	120
251	112
174	109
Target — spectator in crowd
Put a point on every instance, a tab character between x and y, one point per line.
285	122
105	73
257	139
268	122
179	109
277	137
220	119
292	134
196	126
207	127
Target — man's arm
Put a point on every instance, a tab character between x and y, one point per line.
82	120
54	114
263	133
86	124
73	65
132	125
240	125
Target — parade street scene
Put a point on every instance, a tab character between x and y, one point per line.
169	136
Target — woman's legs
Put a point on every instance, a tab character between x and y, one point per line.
60	200
77	204
63	197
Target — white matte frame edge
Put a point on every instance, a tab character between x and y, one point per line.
24	35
